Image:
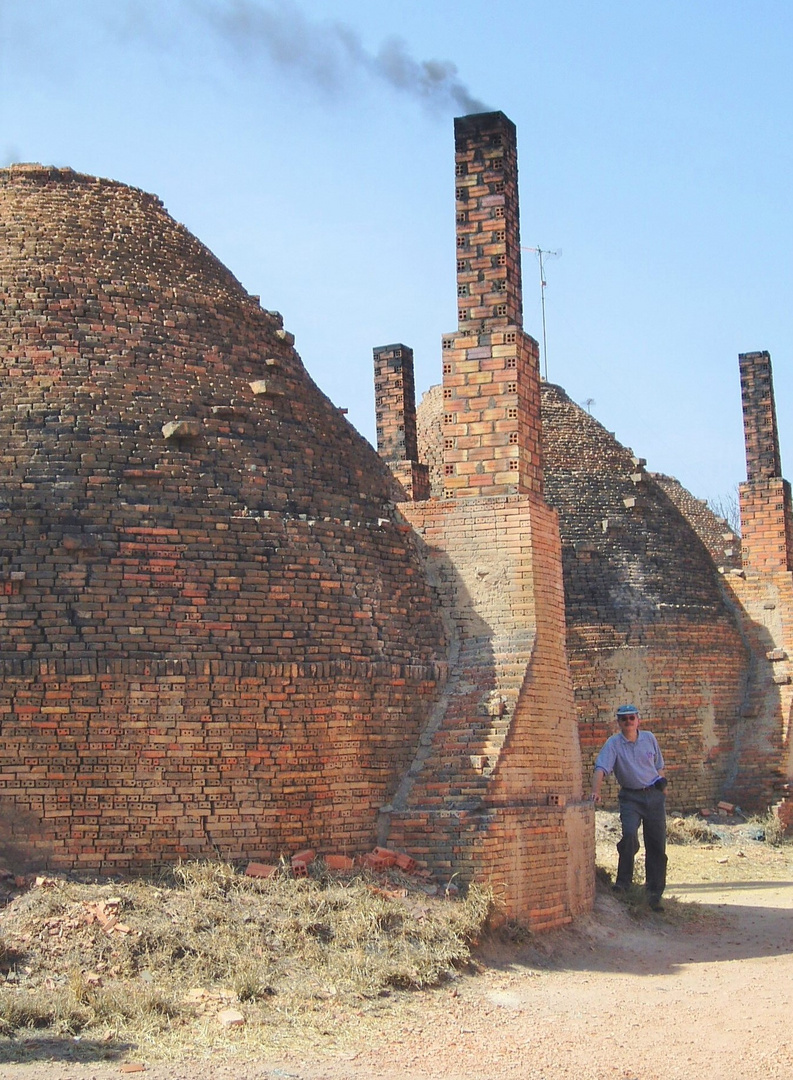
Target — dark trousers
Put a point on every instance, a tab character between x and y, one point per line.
647	808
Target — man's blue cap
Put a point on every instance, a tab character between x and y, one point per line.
627	710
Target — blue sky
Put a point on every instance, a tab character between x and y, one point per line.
302	144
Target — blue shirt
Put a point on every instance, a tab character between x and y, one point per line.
635	764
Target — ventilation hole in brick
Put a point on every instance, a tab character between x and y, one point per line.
513	437
497	140
461	265
462	290
501	286
447	369
459	168
502	260
512	361
461	218
512	414
447	391
513	465
463	313
461	193
448	470
499	187
512	388
448	418
498	164
448	343
461	241
501	236
448	494
510	339
448	444
499	211
501	309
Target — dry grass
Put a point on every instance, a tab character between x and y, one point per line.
290	954
690	830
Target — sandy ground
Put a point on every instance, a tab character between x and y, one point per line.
694	993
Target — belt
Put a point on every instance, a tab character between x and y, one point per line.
650	787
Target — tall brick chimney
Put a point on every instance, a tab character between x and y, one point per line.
491	417
395	408
766	518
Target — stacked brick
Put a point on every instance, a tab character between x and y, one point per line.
395	408
766	513
491	433
215	634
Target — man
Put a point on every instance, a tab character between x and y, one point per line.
635	758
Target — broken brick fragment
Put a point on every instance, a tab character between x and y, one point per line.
374	863
388	856
260	870
306	856
406	863
338	862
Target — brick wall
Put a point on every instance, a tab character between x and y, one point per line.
495	789
762	770
122	764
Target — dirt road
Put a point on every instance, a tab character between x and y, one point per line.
690	994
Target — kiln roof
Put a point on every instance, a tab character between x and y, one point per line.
171	479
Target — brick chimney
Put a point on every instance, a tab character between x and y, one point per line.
491	417
395	407
766	518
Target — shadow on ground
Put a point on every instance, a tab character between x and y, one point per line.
64	1049
626	937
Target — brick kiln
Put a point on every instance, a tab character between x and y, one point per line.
216	636
664	605
495	787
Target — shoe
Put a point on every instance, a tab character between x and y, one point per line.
655	903
619	888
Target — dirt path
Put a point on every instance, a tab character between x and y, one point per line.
668	997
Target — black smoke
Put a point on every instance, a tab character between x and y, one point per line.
328	53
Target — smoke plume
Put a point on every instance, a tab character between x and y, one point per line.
328	53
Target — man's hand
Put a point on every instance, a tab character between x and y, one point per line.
597	783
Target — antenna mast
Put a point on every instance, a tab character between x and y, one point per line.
540	253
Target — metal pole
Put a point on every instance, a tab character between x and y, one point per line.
542	301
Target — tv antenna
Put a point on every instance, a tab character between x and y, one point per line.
542	254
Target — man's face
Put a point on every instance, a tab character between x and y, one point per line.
629	725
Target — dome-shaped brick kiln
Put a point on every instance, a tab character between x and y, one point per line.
215	633
647	617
